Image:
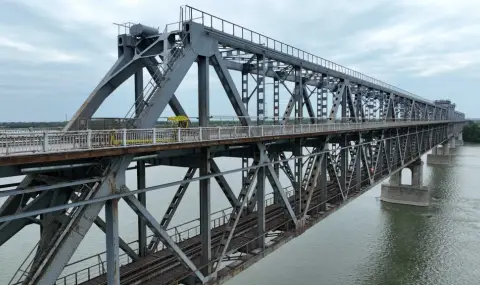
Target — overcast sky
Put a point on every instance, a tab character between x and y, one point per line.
54	52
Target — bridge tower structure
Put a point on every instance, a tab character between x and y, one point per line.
340	133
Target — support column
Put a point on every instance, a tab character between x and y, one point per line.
142	197
113	265
440	155
245	100
260	89
203	114
261	207
451	144
344	155
297	148
414	195
343	165
459	139
417	173
276	121
358	169
322	184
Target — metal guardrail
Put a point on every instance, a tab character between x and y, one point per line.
50	142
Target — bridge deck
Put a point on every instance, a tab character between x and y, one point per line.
163	263
59	146
163	268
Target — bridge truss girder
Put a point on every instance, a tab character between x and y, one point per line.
348	161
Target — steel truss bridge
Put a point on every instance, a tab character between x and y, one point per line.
348	132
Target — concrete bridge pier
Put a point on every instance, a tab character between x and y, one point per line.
459	139
415	194
441	155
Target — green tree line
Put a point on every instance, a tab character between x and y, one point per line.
471	132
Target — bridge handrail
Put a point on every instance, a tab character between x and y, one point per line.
48	142
219	24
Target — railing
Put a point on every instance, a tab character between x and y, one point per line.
177	234
216	23
22	271
82	140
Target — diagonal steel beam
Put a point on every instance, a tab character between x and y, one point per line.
252	202
222	182
100	223
172	208
173	103
229	86
242	198
234	218
54	259
308	104
125	66
286	168
332	172
10	228
337	99
312	180
277	187
155	227
366	164
311	184
167	87
237	104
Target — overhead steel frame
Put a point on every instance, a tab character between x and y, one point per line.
344	160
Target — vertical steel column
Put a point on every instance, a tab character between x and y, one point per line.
382	112
261	205
358	168
276	121
322	94
113	266
322	183
245	100
142	198
203	114
276	100
371	107
141	184
299	95
260	89
358	105
343	144
297	148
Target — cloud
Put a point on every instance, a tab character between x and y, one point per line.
60	49
18	50
424	38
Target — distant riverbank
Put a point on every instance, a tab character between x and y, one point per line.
471	133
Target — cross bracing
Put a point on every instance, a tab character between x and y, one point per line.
312	159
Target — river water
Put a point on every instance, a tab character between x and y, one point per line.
365	242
